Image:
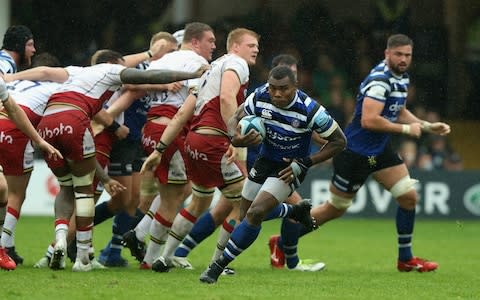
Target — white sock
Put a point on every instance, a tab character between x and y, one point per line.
8	231
84	242
143	226
222	240
158	235
182	224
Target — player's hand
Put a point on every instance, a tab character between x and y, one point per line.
296	171
412	129
174	86
114	187
231	154
202	70
151	163
252	138
122	132
439	128
51	151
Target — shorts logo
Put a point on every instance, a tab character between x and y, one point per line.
195	155
148	142
61	129
5	138
471	199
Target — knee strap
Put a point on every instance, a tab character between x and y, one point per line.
403	186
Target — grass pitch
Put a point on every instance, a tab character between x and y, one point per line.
360	256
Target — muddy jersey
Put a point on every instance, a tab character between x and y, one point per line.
90	88
166	103
207	110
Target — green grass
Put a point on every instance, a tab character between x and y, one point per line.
360	257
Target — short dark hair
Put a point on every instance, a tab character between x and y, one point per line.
45	59
195	30
105	56
398	40
16	37
282	71
284	59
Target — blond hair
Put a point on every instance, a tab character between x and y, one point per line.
235	36
162	35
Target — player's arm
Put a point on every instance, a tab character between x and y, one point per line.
407	117
19	117
157	50
174	127
229	88
335	143
135	76
40	73
236	138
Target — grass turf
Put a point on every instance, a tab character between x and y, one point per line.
360	256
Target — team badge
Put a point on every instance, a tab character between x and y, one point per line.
296	123
372	162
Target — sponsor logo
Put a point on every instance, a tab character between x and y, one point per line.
471	199
195	154
273	135
266	113
61	129
395	107
5	138
148	142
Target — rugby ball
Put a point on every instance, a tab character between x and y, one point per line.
248	123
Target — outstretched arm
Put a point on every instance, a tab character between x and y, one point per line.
19	117
40	73
135	76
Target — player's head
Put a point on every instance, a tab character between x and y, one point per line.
45	59
169	43
244	43
19	39
286	60
107	56
282	85
398	54
200	38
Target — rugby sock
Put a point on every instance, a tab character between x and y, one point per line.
182	225
102	213
289	240
242	237
280	211
121	223
136	219
158	235
405	220
223	237
8	231
143	226
50	250
202	229
84	241
61	229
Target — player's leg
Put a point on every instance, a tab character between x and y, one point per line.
17	186
6	262
397	180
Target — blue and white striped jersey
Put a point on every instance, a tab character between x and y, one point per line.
289	130
390	89
7	64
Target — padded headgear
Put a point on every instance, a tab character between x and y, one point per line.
16	37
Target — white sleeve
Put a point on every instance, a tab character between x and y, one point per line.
239	66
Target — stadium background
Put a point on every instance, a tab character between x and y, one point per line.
445	71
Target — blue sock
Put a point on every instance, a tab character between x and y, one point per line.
242	237
136	219
202	229
102	213
405	221
280	211
121	224
290	234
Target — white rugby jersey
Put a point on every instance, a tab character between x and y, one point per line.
207	109
90	88
7	64
181	60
